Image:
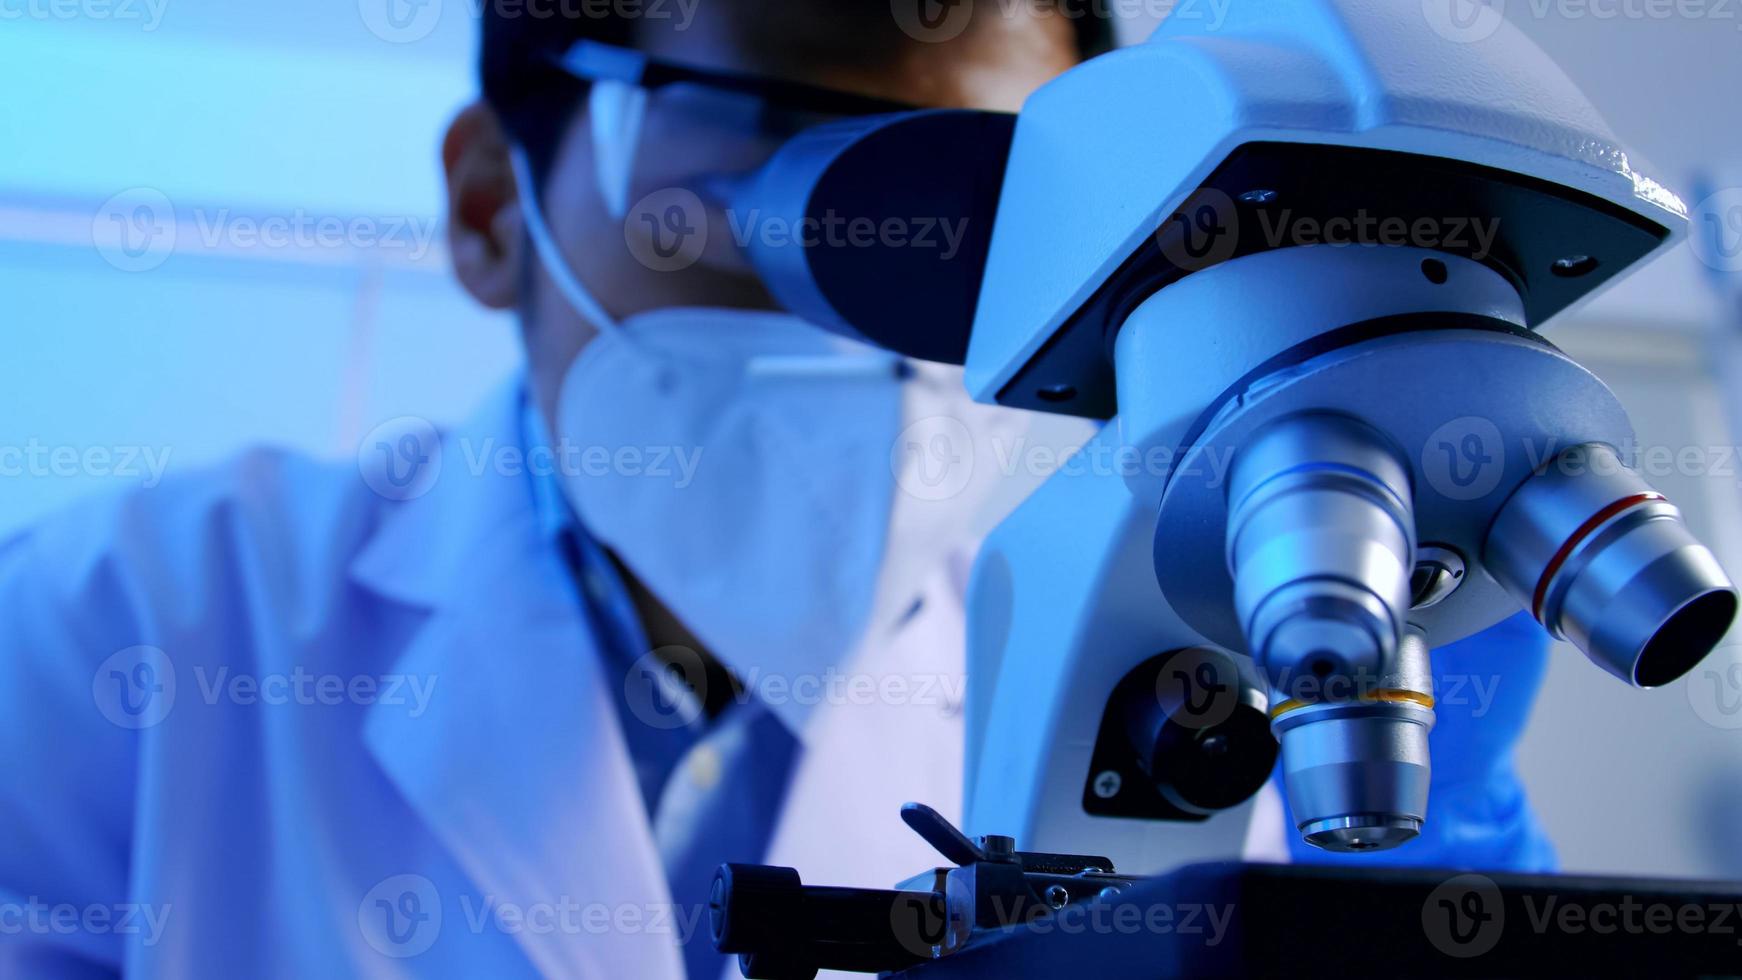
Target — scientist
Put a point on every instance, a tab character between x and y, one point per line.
423	718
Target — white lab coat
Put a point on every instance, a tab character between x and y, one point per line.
487	826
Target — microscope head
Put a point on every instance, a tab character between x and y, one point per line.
1303	256
1223	138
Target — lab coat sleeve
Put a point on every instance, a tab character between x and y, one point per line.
66	805
209	570
1477	814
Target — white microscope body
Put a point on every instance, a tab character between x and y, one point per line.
1298	259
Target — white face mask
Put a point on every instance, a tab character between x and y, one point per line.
739	467
765	529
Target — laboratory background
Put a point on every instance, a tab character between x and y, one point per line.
210	123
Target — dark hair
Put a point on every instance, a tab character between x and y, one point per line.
508	42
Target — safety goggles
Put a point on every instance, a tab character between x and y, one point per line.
657	124
592	61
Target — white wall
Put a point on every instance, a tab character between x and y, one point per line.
219	119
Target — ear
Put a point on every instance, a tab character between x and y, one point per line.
485	238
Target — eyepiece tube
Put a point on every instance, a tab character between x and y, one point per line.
1321	543
1604	561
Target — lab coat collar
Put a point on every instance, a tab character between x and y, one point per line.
518	766
421	551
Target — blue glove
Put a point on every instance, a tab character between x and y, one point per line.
1477	816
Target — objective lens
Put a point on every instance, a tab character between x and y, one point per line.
1604	561
1321	536
1355	765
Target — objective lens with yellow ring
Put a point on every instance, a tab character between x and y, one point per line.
1356	767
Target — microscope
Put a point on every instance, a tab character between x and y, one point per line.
1299	262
